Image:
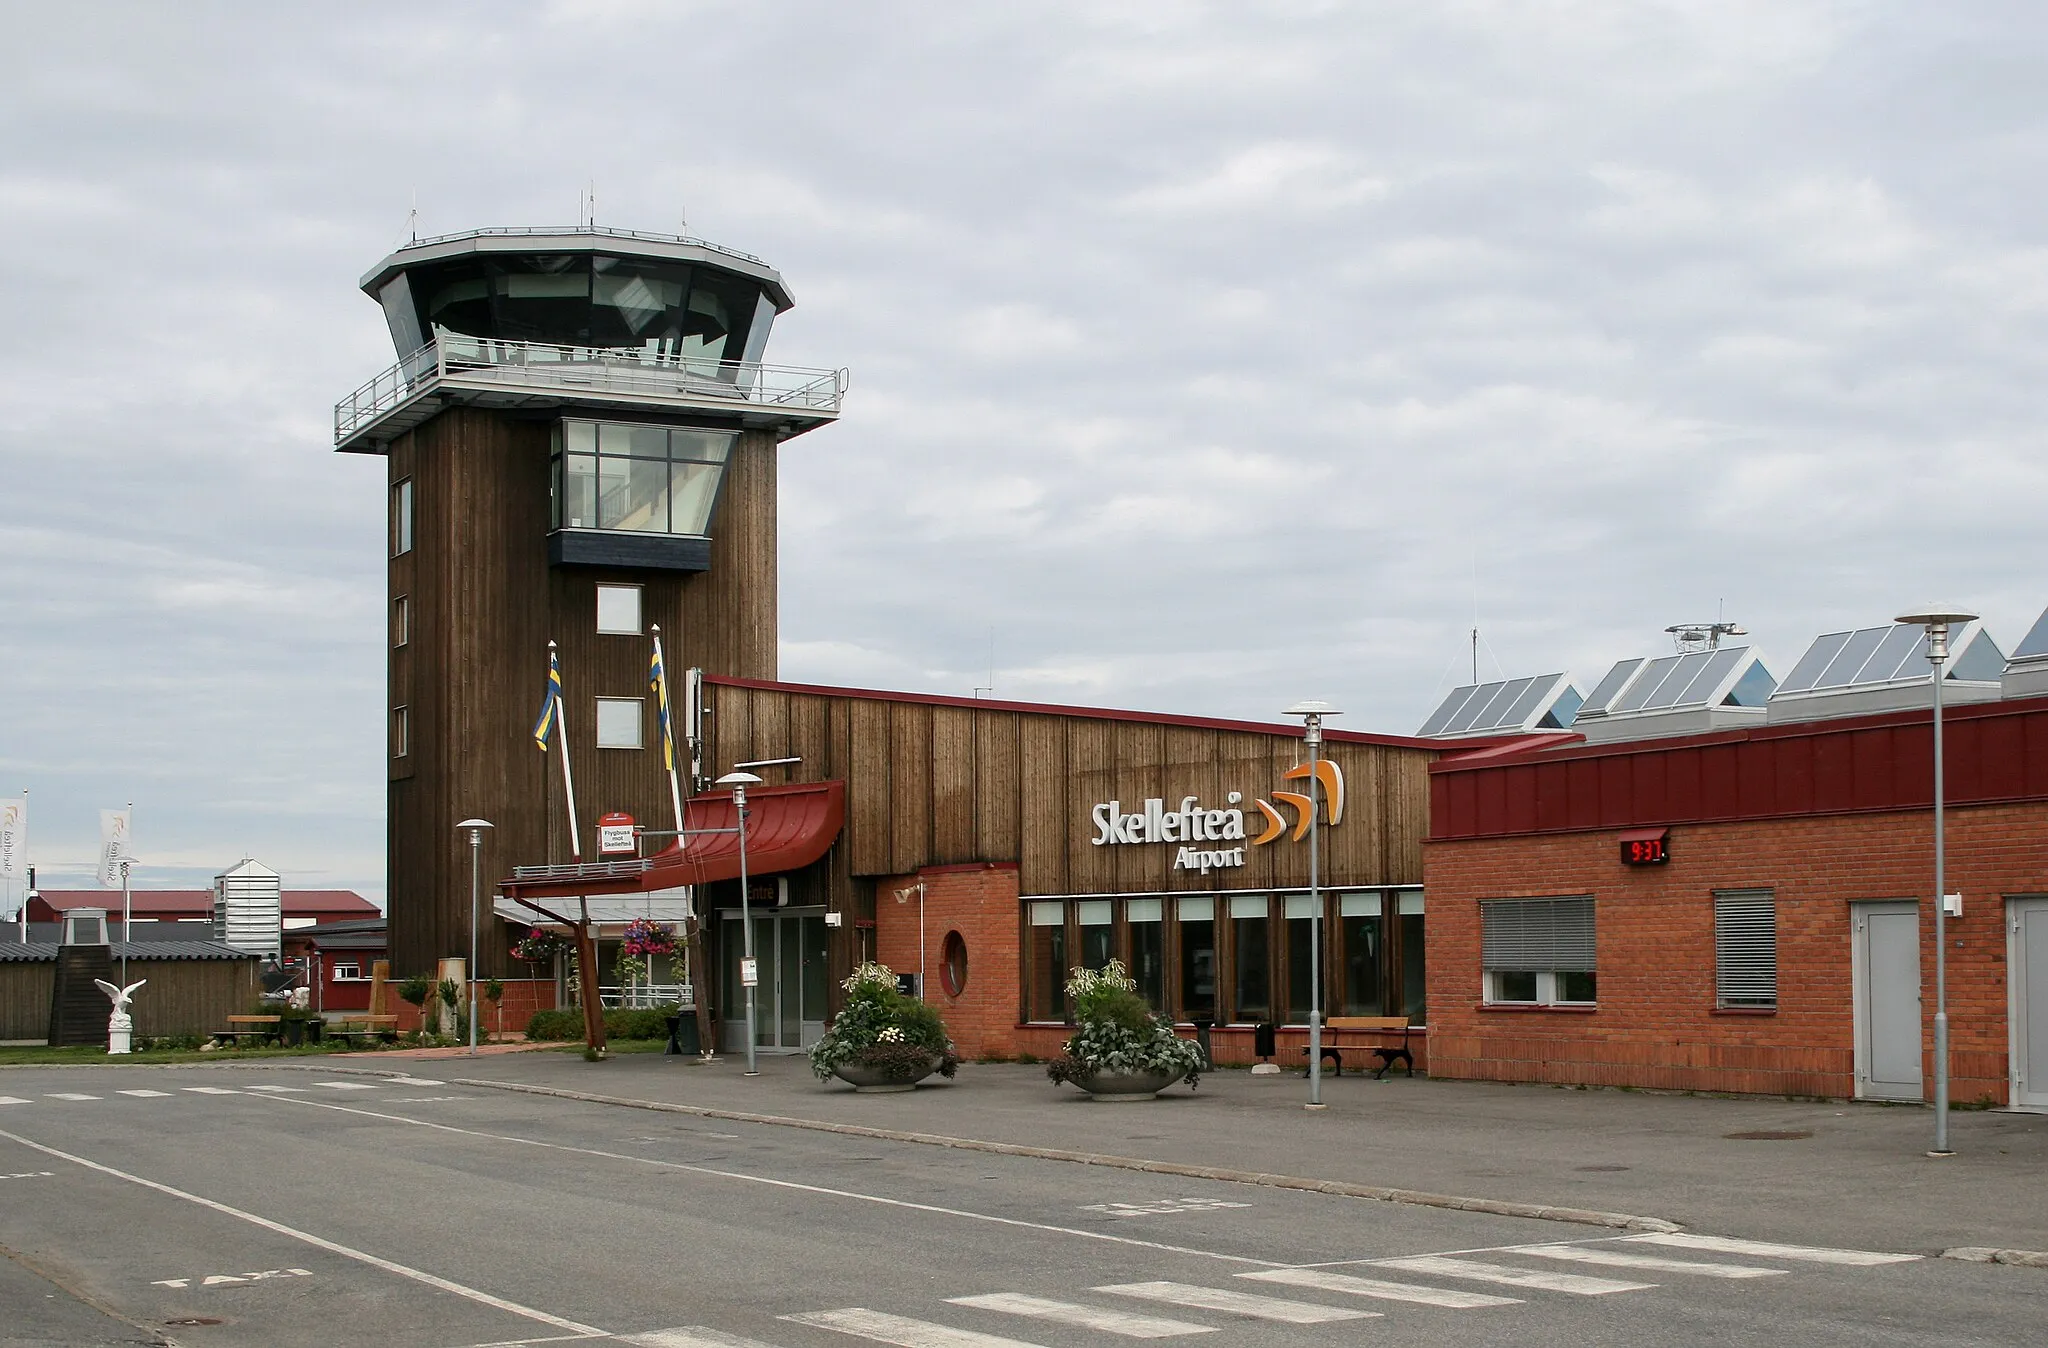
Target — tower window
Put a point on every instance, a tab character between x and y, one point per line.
638	479
619	721
401	732
401	621
401	517
618	610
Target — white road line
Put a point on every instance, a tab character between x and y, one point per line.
690	1336
1238	1303
1326	1281
429	1081
321	1243
1540	1279
1126	1323
209	1090
1762	1249
146	1095
793	1185
1647	1263
12	1100
346	1085
280	1090
68	1095
902	1331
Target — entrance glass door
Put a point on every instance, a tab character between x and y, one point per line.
789	1001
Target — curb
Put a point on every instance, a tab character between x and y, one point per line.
1973	1254
1621	1221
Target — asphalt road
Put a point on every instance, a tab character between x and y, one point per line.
189	1206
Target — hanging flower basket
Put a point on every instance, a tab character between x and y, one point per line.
539	946
643	938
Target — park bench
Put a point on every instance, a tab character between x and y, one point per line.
1366	1034
363	1029
258	1028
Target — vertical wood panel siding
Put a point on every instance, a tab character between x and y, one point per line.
938	785
183	996
484	605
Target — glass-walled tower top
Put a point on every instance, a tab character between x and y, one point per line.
596	320
589	287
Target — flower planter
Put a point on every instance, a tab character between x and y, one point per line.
1120	1087
876	1081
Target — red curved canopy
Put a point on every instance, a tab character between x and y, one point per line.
788	828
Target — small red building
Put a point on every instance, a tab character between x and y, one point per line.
339	958
1747	909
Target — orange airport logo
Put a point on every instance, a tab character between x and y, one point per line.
1329	777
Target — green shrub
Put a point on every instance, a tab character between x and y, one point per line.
449	992
567	1026
879	1027
415	989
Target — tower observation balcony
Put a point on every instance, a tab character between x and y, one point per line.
583	318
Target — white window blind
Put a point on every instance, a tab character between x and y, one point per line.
1745	949
1532	935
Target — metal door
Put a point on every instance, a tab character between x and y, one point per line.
1888	1021
2027	959
789	953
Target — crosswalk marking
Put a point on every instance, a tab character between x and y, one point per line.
1763	1249
69	1095
1237	1303
690	1336
1541	1279
280	1090
902	1331
209	1090
1325	1280
1648	1263
146	1095
1126	1323
346	1085
12	1100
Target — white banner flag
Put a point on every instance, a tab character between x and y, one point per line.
113	843
14	838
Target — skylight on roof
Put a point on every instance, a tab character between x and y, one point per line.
1725	676
1505	707
1873	657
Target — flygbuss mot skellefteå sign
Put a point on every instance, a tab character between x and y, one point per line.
1193	823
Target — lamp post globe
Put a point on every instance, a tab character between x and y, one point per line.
475	829
1312	713
1938	619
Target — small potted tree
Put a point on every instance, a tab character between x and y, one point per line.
1121	1050
882	1040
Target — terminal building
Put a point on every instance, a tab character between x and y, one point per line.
580	438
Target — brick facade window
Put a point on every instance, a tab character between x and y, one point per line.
1745	950
1539	951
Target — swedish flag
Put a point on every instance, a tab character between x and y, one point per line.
551	709
658	682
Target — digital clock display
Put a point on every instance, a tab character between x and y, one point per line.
1650	849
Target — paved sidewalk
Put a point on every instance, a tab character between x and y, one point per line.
1831	1174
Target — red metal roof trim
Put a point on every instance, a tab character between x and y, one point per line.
788	828
1997	752
1095	713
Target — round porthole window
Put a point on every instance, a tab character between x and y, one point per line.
953	964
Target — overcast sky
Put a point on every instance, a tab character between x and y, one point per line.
1209	357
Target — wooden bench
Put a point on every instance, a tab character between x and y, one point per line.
363	1029
1342	1033
258	1028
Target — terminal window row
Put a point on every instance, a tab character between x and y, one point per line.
1233	958
1544	951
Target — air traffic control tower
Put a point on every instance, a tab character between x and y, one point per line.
579	438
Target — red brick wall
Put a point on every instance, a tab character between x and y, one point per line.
1656	1026
978	900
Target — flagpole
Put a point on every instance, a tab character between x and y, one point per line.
568	778
668	747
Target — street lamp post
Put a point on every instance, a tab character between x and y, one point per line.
1312	714
475	829
1937	621
739	782
127	914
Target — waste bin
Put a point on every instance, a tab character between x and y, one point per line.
1263	1046
682	1034
1202	1028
